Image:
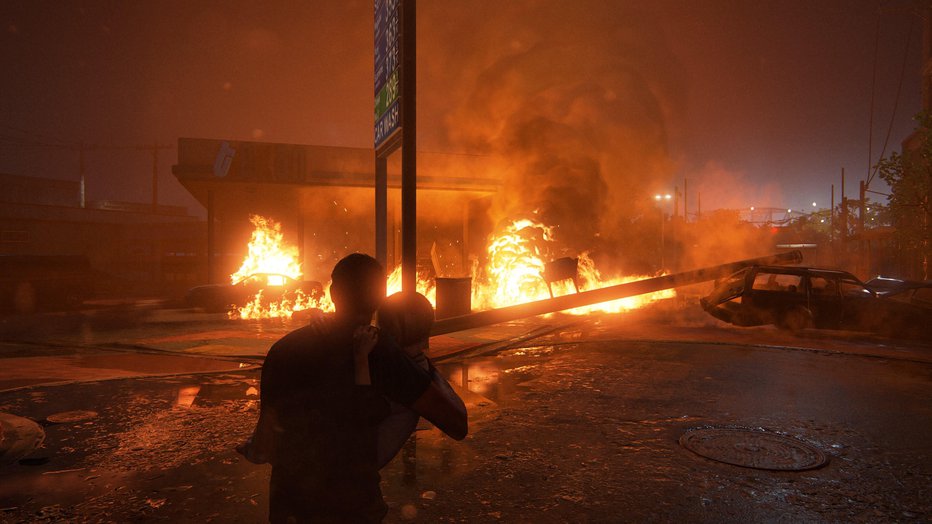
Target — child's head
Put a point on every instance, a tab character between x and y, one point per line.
408	318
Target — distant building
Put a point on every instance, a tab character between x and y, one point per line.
138	250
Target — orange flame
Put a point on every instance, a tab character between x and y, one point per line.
285	308
512	276
424	285
268	253
516	265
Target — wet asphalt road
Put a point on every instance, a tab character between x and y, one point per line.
579	426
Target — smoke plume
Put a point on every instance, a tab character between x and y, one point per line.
572	98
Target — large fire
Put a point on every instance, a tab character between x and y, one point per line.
268	253
513	275
517	257
271	261
424	285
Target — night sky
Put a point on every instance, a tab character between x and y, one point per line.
757	103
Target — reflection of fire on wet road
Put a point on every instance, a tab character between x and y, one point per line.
585	422
517	257
186	396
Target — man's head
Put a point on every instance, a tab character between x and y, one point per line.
357	286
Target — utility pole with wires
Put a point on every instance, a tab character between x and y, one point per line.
863	247
81	198
154	148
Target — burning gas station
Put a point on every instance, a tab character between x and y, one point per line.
298	224
426	216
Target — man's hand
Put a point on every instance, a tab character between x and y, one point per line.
259	448
249	451
364	339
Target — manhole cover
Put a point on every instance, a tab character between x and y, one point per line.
756	449
71	416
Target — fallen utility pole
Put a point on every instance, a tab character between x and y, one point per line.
606	294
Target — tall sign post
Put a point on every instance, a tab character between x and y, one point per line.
395	126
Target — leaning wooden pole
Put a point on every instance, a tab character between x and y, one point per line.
596	296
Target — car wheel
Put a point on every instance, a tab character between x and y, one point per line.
25	299
796	319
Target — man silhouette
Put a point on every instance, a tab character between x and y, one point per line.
323	394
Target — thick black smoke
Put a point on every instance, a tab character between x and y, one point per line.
572	97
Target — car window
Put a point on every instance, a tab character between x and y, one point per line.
729	289
253	280
777	282
850	288
822	286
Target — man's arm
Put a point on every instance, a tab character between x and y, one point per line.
443	409
260	447
423	390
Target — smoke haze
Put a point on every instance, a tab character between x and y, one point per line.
574	103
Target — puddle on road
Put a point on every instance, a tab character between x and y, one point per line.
486	384
128	324
28	371
153	433
149	436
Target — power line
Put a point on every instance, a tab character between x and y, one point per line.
14	141
896	101
35	135
870	126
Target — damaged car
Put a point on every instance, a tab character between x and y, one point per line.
797	298
916	292
273	287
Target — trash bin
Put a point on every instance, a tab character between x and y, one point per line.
454	297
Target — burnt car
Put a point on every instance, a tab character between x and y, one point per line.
274	287
802	297
916	292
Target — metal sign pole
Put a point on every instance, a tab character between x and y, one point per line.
395	126
409	147
381	210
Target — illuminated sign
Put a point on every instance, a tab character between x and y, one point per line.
223	160
387	70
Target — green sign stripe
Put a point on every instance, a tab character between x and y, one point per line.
388	94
